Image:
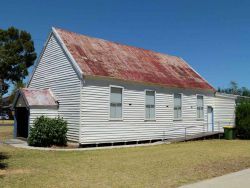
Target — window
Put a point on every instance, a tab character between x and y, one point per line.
200	107
177	106
150	105
115	103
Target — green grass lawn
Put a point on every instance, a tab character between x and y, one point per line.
168	165
3	122
6	132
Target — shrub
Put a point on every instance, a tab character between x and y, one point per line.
243	119
47	132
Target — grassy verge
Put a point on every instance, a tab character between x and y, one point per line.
6	122
6	132
154	166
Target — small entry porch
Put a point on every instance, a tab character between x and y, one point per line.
26	101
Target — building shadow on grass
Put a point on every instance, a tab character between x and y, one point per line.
3	164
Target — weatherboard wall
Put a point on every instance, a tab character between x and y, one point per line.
224	111
35	113
96	126
55	71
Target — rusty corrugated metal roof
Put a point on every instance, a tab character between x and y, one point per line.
39	97
98	57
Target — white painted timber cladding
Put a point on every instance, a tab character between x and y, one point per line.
224	111
56	72
96	127
35	113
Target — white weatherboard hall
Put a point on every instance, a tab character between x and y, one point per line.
111	93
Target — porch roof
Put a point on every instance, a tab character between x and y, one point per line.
39	98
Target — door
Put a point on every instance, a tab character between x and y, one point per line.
22	118
210	119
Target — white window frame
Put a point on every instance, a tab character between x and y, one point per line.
178	119
115	119
145	92
198	118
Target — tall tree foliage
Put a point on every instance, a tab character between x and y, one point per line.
243	119
17	54
17	86
235	89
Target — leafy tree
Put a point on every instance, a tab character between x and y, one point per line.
17	54
245	92
17	86
235	90
243	119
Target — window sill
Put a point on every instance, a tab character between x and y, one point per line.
177	119
149	120
115	119
200	119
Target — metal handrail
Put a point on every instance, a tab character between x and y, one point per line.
216	124
179	128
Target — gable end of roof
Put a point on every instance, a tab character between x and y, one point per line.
72	60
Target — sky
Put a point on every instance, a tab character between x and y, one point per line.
212	36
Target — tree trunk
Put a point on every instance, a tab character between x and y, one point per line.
1	95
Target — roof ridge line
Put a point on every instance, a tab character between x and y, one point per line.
114	42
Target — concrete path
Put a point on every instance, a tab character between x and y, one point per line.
23	144
239	179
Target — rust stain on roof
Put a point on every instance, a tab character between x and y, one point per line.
39	97
98	57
